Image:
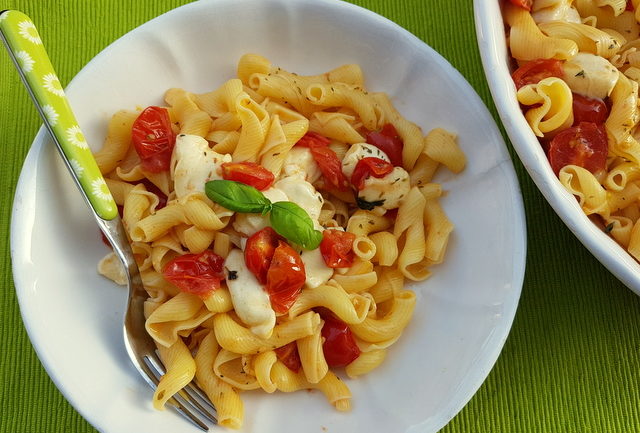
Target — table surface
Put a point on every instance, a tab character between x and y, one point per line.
571	361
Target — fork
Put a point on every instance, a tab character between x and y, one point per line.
23	42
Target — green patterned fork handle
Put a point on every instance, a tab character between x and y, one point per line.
21	38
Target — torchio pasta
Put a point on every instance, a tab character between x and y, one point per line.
275	220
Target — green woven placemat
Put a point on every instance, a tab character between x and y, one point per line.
571	363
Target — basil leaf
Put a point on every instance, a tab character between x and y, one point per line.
368	205
291	221
237	196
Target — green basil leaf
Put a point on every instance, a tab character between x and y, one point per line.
237	196
368	205
291	221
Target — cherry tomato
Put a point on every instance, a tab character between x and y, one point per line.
248	173
536	70
259	250
198	274
285	277
327	160
388	141
629	6
524	4
337	248
289	356
339	346
592	110
584	145
369	166
391	214
153	139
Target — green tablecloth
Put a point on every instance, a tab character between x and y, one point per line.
571	363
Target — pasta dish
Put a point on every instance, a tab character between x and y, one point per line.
275	221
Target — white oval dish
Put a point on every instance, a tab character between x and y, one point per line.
464	311
495	59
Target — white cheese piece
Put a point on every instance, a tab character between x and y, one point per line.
560	11
358	151
590	75
249	223
300	162
303	194
250	301
317	271
391	188
193	164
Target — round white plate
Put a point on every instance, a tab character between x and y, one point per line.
464	311
495	58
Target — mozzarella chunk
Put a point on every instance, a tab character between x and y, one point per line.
316	270
300	162
303	194
555	11
249	223
358	151
391	188
250	301
590	75
193	164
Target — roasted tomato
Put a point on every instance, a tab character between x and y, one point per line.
259	250
536	70
592	110
285	277
369	166
198	274
327	160
249	173
388	141
337	248
289	356
339	346
153	139
524	4
584	145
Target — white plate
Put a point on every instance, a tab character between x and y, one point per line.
495	58
464	312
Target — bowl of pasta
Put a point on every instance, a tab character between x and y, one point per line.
307	215
563	78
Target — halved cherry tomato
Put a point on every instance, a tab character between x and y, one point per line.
337	248
153	139
339	346
536	70
584	145
327	160
592	110
369	166
525	4
259	250
285	277
249	173
388	141
198	274
289	356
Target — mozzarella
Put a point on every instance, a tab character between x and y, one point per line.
250	301
193	164
316	270
391	188
300	162
560	11
590	75
249	223
358	151
303	194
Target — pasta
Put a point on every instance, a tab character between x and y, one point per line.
277	212
577	82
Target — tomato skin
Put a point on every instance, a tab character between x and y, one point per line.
259	250
524	4
153	139
339	346
584	145
337	248
536	70
388	141
327	160
591	110
369	166
249	173
285	278
198	274
289	356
